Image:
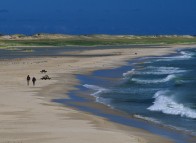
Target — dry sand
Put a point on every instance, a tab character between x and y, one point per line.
27	114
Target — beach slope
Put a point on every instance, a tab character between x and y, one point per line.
28	115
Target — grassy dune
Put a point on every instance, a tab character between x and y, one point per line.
91	40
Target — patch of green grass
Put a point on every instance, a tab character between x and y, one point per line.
99	40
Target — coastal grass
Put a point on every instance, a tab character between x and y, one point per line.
93	40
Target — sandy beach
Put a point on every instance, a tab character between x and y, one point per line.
27	114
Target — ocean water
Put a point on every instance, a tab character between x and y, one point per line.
135	17
161	90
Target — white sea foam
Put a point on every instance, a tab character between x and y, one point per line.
98	89
187	54
104	101
162	70
160	92
167	105
184	56
144	81
147	119
168	78
129	73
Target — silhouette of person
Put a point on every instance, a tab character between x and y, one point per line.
28	79
33	80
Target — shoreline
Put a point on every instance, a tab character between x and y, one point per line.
41	95
81	99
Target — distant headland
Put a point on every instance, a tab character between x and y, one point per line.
92	40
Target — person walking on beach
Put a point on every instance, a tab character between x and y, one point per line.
33	80
28	79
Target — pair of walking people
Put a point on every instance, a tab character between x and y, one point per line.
33	80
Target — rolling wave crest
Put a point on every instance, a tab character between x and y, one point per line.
167	105
98	89
144	81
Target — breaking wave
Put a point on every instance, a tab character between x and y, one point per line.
129	74
162	70
184	56
168	105
143	81
98	89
